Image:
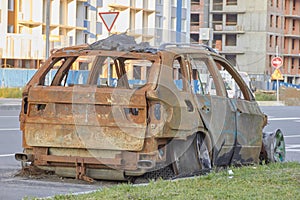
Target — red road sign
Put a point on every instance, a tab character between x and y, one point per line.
109	18
276	62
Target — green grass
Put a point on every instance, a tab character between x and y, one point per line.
10	92
262	96
274	181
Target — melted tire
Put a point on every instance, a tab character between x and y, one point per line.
274	146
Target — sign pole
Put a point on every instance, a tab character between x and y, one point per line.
277	81
277	87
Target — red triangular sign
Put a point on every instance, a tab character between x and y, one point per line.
109	18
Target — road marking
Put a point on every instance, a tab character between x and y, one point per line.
282	119
7	155
9	129
291	146
291	136
292	150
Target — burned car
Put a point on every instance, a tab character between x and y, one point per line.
121	110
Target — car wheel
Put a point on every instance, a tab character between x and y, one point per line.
202	152
274	146
191	157
183	157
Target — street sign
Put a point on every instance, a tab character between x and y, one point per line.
109	18
276	62
277	75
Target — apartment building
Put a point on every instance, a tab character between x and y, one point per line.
172	22
199	21
23	32
23	25
291	41
250	33
136	17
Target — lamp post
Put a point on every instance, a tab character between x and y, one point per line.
47	28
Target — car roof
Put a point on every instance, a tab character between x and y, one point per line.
125	43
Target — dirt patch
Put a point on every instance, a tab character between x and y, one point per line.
290	96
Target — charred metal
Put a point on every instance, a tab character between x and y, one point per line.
119	110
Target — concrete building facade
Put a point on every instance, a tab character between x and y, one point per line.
23	25
251	32
199	21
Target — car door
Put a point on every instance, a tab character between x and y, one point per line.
216	110
174	92
249	118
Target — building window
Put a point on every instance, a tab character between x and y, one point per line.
217	42
231	19
218	5
10	29
230	40
293	44
271	20
277	3
277	21
195	2
86	38
231	59
231	2
195	19
271	2
98	28
276	40
217	22
271	41
294	4
86	12
173	23
294	24
158	21
194	38
10	5
99	3
293	63
285	23
159	2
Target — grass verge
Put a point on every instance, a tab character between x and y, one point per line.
10	92
274	181
265	96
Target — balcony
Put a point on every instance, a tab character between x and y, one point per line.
23	46
228	29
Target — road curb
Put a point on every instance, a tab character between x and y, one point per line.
270	103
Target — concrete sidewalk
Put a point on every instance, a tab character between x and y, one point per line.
10	104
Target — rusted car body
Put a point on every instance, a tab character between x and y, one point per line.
117	110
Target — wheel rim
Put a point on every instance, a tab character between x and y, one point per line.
279	147
202	152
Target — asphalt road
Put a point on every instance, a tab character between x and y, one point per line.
16	187
287	118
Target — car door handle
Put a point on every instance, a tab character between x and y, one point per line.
190	107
